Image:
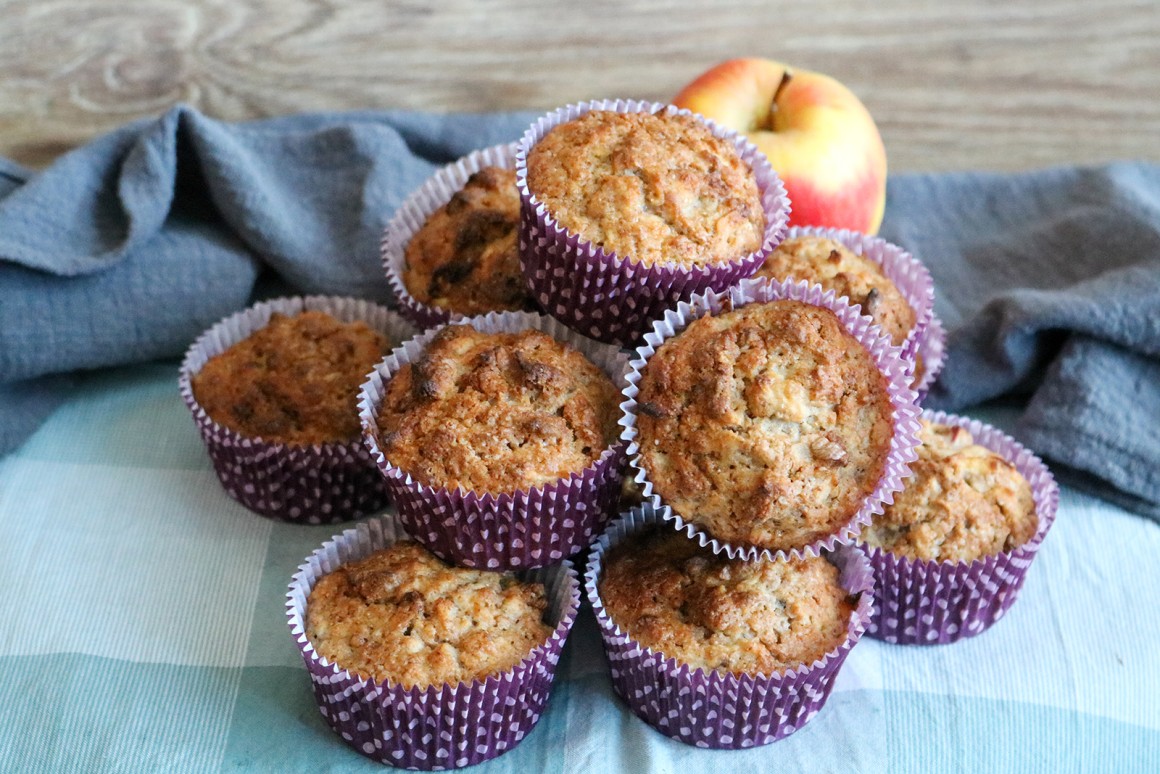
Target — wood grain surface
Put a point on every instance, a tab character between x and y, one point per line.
985	84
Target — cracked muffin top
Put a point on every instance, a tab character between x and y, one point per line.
295	381
497	412
656	189
836	267
708	611
404	616
465	257
961	503
768	425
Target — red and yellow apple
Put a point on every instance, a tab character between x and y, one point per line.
817	134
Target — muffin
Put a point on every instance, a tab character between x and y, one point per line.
650	187
274	393
629	207
508	632
295	381
962	502
465	258
405	617
715	613
768	425
448	251
498	438
716	652
836	267
496	412
951	554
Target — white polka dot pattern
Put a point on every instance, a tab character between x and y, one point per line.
888	358
926	603
720	710
439	727
517	530
605	296
321	484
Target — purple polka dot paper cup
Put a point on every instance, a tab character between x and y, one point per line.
907	273
931	352
316	484
438	727
415	211
718	709
893	367
511	530
921	602
610	297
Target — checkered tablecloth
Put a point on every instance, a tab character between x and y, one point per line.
142	628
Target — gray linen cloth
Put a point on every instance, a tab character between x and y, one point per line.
126	249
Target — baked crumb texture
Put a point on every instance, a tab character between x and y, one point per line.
716	652
465	257
980	505
713	613
836	267
496	412
636	210
962	502
294	381
768	426
421	665
652	188
403	616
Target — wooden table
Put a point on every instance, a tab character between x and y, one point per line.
985	84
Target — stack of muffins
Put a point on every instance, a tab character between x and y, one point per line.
758	447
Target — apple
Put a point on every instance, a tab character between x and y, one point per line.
818	136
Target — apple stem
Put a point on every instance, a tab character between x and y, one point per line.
786	77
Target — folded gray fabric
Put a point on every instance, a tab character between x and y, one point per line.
1049	283
126	249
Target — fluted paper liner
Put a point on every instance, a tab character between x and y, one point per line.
907	273
316	484
439	727
895	370
522	529
930	602
931	346
415	211
718	709
610	297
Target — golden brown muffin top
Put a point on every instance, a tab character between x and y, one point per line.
465	257
708	611
295	381
836	267
962	502
768	425
497	412
403	615
657	189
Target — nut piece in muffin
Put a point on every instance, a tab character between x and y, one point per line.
403	616
962	502
465	257
836	267
496	412
653	188
708	611
768	425
295	381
